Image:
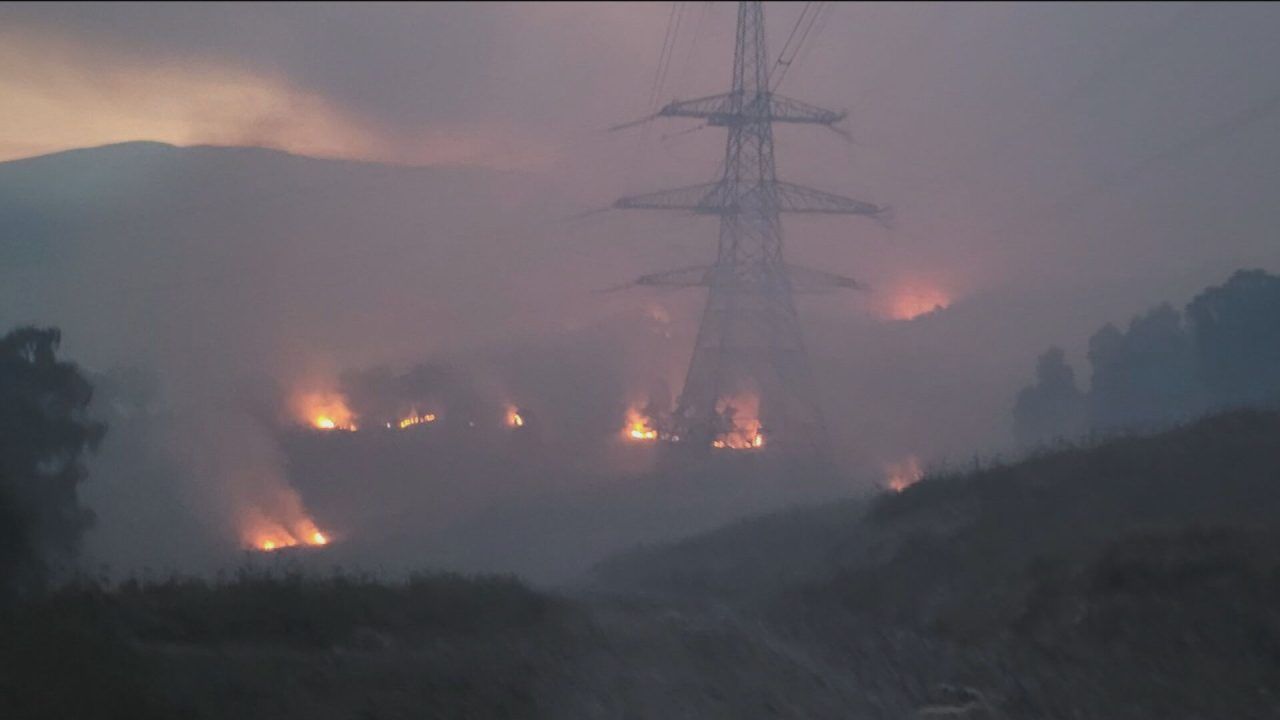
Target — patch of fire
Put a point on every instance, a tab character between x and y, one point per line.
325	411
740	418
514	417
413	418
916	300
901	475
638	428
277	537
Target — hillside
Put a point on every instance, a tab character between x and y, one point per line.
278	644
124	246
1133	577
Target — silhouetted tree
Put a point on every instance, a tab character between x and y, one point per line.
44	433
1144	376
1161	370
1235	331
1053	407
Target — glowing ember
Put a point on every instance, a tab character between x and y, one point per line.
902	475
415	419
914	300
513	417
325	411
638	427
743	412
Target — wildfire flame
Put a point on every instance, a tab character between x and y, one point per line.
325	411
638	428
904	474
746	434
513	417
414	419
268	536
913	301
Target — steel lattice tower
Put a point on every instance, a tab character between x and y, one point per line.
749	341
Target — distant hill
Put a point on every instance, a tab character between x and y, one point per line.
132	247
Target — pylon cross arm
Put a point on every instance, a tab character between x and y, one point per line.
802	279
714	199
702	198
809	280
725	109
695	276
801	199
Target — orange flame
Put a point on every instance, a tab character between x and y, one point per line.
914	300
904	474
513	417
638	428
325	411
746	433
268	536
414	419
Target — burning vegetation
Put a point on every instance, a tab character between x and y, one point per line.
277	541
902	475
741	419
325	411
739	425
638	427
330	411
413	418
262	531
914	300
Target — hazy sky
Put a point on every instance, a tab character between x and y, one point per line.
972	120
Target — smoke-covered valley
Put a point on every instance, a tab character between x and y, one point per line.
328	388
229	283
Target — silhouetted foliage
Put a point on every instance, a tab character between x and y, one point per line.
1144	376
1053	407
1162	370
44	433
1237	337
325	646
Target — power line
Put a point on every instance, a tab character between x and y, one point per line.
1202	138
662	55
1104	72
809	43
786	45
668	51
693	43
795	53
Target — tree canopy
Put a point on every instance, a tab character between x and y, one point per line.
45	432
1222	351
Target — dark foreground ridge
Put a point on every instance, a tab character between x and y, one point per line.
1138	577
1133	578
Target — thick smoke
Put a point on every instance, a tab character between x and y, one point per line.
1043	185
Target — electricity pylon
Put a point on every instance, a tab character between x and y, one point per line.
749	342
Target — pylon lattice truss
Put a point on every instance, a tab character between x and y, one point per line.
749	342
